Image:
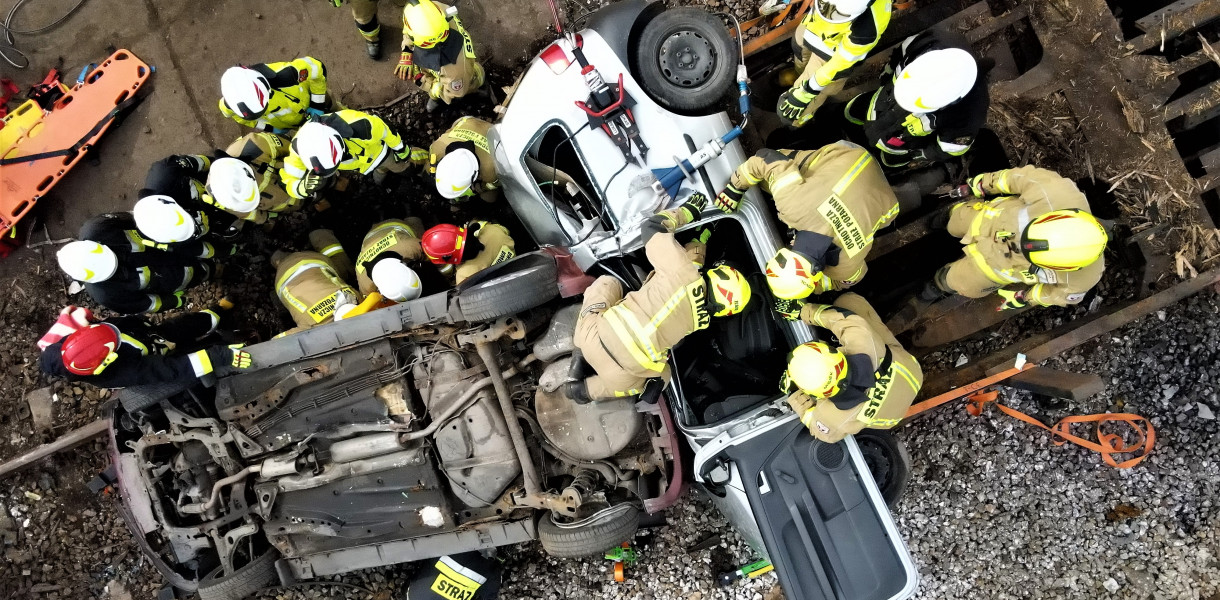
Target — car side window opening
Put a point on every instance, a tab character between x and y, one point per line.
560	173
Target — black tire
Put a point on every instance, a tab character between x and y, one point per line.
525	282
686	60
888	461
139	397
244	582
618	525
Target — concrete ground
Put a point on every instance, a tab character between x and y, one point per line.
191	44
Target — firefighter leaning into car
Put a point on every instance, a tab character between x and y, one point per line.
835	197
833	38
462	163
274	96
472	248
248	184
126	351
931	105
626	339
347	140
314	286
385	255
132	282
867	380
1034	241
441	64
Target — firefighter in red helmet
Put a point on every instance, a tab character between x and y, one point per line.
471	248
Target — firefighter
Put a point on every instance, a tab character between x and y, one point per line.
118	232
248	184
274	96
172	228
931	106
468	576
626	339
347	140
1028	236
441	64
835	197
132	282
181	178
462	162
125	351
385	255
314	286
867	380
472	248
364	12
829	42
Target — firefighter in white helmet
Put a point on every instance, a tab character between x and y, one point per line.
347	140
132	282
832	39
462	162
391	241
274	96
264	153
169	226
931	105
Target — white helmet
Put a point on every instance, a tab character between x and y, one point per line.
87	261
395	280
935	80
160	219
232	184
319	146
456	172
245	91
841	11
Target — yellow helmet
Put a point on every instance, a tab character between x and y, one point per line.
1063	240
791	275
816	369
729	290
425	23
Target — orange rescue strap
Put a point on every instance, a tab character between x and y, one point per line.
978	395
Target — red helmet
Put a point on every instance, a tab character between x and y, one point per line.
444	244
90	350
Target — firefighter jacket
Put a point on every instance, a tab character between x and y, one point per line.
469	133
181	177
367	141
449	69
150	353
295	86
149	282
310	287
904	137
836	197
638	330
840	46
396	238
118	232
265	153
882	378
496	246
991	232
465	576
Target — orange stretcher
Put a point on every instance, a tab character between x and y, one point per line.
38	148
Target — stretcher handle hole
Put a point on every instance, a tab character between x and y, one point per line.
95	75
140	71
45	183
20	208
121	56
123	96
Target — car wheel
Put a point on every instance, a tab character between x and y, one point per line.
591	536
888	461
686	60
139	397
526	282
242	583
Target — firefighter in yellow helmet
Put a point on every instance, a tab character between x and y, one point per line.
626	339
437	53
835	197
867	381
1028	235
834	36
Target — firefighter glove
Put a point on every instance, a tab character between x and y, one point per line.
801	405
792	104
704	235
406	69
961	191
241	358
337	3
729	199
976	186
694	205
789	309
1012	300
311	183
